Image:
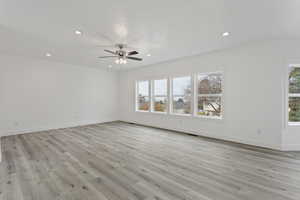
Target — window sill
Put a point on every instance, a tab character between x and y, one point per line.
208	117
159	113
187	115
294	123
142	111
152	112
183	115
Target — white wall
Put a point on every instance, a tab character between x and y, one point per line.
39	95
254	94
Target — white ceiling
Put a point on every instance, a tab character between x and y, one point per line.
168	29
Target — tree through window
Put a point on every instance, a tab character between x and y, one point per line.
209	94
294	94
160	95
143	96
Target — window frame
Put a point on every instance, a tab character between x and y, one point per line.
137	93
194	95
208	95
153	96
172	95
288	95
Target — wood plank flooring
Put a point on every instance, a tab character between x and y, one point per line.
117	160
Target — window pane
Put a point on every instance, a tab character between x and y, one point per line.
294	80
160	87
143	103
182	86
160	104
182	104
143	88
210	83
143	96
294	109
209	106
182	95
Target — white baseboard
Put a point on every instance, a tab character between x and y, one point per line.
52	127
214	136
46	128
291	147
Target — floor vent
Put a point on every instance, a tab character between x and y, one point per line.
190	134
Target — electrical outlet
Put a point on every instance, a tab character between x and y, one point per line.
259	131
16	124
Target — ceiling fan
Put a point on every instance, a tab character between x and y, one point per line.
121	55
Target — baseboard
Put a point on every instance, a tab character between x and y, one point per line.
291	147
46	128
212	136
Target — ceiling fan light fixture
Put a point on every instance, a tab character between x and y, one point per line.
78	32
122	55
121	61
48	54
225	34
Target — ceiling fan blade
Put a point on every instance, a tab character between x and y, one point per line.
132	53
134	58
109	51
107	56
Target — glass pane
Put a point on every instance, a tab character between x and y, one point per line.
182	104
294	109
182	86
143	88
294	80
209	106
160	104
182	95
160	87
210	83
143	103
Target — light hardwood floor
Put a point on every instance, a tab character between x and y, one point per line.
123	161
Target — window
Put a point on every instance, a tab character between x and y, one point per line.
182	95
198	95
209	90
143	96
160	95
294	94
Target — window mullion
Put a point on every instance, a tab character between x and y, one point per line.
136	95
170	95
151	82
194	95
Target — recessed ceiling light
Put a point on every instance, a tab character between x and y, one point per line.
48	54
225	34
78	32
148	54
